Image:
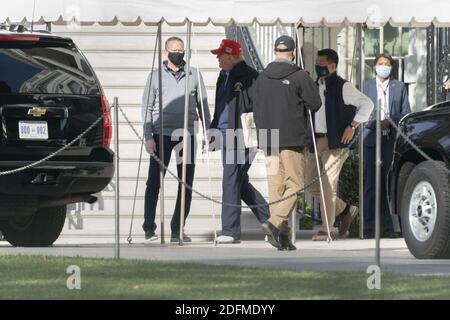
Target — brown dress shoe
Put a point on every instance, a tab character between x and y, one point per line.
286	243
347	220
320	236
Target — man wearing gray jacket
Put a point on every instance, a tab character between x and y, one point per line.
173	92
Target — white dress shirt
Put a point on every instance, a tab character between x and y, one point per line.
320	116
352	96
383	97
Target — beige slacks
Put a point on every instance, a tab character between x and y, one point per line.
285	176
327	157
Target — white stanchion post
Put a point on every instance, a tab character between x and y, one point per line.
361	182
294	224
315	148
117	189
319	172
185	133
378	185
361	135
161	136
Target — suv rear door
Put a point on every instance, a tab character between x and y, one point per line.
49	94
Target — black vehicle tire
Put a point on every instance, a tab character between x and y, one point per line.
428	182
39	230
403	175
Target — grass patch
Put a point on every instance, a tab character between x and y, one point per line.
40	277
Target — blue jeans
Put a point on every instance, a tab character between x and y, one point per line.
236	187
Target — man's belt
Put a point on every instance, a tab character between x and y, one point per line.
321	135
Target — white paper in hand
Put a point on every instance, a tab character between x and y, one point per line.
249	130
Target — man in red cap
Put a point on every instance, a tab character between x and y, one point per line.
232	99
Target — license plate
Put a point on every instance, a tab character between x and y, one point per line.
33	130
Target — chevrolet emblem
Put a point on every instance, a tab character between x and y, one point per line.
36	112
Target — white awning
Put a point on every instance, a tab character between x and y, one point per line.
413	13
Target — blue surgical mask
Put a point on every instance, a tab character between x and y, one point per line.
383	71
322	71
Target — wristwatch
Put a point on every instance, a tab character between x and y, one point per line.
353	127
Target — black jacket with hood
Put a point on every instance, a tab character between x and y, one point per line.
281	95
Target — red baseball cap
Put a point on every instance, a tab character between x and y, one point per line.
228	46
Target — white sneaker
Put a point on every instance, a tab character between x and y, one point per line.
226	239
150	238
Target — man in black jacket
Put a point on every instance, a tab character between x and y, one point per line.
283	93
232	99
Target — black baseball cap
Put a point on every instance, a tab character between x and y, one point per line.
287	41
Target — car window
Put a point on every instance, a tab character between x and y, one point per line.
45	69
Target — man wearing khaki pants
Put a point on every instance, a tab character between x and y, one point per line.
343	109
282	94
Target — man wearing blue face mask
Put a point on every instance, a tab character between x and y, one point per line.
343	109
391	95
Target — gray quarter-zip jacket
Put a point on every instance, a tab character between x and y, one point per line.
173	92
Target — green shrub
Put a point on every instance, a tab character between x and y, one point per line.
306	223
348	187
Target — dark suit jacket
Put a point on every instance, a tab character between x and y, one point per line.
445	95
398	107
242	77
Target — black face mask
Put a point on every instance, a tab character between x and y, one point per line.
322	71
176	57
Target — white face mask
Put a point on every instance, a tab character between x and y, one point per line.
383	71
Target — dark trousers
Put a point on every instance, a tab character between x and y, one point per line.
153	183
236	187
387	151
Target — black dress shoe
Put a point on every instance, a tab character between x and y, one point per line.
273	234
369	235
391	235
286	243
176	238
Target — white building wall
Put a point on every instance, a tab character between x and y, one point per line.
416	69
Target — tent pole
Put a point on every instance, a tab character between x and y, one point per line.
378	185
117	180
361	139
185	132
161	137
294	208
315	148
205	137
435	62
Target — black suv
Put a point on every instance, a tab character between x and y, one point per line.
49	95
419	188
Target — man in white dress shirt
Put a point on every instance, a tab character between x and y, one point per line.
343	109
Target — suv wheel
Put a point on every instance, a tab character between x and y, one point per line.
425	211
38	230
